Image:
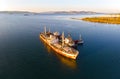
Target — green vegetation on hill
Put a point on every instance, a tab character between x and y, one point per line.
107	19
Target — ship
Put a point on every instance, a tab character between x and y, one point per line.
80	41
57	43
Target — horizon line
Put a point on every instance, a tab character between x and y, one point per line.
54	11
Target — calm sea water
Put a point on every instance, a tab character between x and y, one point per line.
24	56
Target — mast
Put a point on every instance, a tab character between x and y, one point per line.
45	30
63	39
69	35
80	37
49	30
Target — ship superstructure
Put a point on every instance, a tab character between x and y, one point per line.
69	41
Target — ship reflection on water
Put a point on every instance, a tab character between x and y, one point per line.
69	63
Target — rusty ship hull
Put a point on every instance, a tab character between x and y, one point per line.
58	50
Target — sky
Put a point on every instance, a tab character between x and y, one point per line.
112	6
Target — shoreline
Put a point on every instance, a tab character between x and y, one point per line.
102	19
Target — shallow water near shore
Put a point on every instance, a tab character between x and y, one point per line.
24	56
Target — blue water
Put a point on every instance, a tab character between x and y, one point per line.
24	56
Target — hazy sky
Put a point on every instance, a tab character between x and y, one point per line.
60	5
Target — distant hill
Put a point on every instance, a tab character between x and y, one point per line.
71	12
49	13
15	12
